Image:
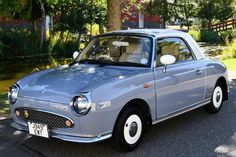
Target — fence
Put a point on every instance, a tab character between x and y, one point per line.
226	25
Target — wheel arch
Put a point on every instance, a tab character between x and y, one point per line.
142	105
223	82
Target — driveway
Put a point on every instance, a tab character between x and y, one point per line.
194	134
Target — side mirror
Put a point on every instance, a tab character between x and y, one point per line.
75	55
167	60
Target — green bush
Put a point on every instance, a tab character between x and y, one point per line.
23	43
230	51
227	36
195	34
65	49
17	43
210	36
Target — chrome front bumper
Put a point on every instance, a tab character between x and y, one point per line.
68	138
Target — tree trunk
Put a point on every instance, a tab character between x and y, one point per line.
114	15
91	31
79	40
164	14
101	30
62	36
209	24
34	26
43	22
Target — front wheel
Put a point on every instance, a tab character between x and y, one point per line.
129	130
216	99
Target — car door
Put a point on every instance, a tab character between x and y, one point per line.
183	83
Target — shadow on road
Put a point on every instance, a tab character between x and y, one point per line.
196	133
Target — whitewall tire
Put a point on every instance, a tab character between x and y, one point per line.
132	129
128	131
216	99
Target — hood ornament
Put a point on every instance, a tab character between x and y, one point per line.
43	91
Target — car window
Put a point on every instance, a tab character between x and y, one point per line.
173	46
118	50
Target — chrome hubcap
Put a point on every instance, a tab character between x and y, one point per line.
218	96
133	129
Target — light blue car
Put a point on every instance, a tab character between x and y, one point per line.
119	84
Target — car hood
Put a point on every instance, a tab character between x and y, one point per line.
63	83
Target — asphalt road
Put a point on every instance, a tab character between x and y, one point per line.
194	134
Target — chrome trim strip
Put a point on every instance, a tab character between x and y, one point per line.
77	139
168	116
82	139
57	114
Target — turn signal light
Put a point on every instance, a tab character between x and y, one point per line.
68	123
26	114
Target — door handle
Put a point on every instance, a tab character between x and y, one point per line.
199	72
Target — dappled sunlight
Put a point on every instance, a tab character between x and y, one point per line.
226	150
230	149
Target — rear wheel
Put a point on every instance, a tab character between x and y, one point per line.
128	131
216	99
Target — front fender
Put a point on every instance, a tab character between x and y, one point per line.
109	99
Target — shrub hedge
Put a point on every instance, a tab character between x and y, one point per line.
17	43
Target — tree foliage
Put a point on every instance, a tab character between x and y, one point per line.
70	15
184	10
216	10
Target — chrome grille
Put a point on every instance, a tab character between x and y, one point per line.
52	120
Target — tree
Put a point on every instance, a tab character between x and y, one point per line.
207	10
97	14
113	15
184	10
225	9
12	8
163	8
29	9
74	15
216	9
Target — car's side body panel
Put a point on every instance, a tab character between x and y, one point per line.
181	86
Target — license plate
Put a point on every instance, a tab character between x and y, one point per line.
38	129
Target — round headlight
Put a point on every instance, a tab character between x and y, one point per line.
13	93
81	105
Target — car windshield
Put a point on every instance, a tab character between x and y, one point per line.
117	50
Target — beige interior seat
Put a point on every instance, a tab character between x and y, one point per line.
132	54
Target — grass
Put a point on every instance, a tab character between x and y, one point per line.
4	105
230	63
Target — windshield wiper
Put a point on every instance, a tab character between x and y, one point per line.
90	61
131	64
87	61
107	62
